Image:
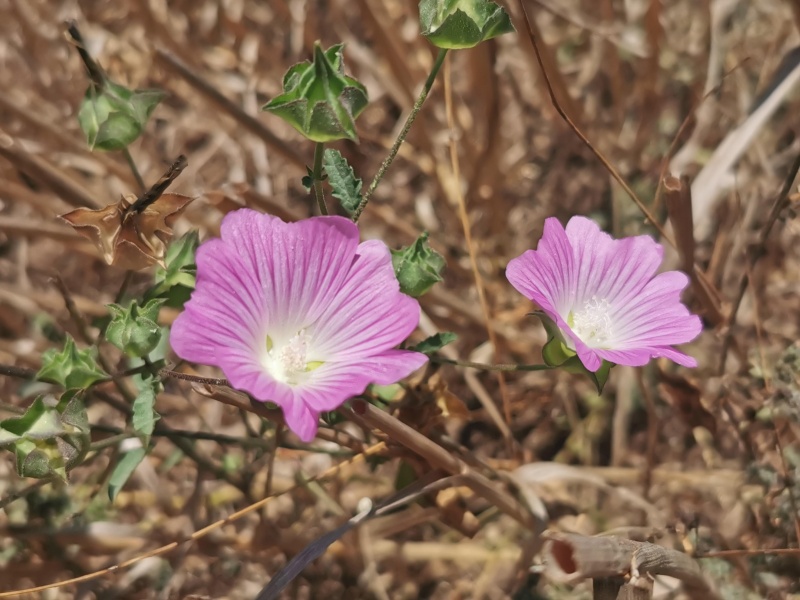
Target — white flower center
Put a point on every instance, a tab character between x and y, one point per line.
288	362
592	322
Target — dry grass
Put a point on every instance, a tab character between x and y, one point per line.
706	458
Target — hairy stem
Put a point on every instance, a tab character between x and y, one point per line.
316	175
403	133
488	367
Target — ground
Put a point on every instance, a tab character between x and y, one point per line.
701	460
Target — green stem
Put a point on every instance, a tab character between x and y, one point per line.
403	133
136	175
316	175
487	367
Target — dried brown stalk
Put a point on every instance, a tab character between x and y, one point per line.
438	457
572	557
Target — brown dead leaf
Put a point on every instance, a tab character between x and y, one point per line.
129	238
133	233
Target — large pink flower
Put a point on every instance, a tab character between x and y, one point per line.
605	296
299	314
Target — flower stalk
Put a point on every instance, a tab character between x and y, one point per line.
316	176
437	65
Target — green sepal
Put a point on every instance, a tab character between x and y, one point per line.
71	368
318	99
556	353
308	179
134	329
113	116
455	24
417	267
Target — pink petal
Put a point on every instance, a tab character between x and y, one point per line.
303	421
641	356
657	317
582	263
609	268
296	268
266	277
334	383
249	376
590	357
369	314
545	275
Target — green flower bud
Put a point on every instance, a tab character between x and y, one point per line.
318	99
112	116
454	24
417	267
50	438
134	329
71	368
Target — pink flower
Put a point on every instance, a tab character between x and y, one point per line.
299	314
605	296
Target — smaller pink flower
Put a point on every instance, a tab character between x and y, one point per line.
299	314
605	296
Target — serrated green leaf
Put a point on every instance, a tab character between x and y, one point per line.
123	470
418	267
435	342
345	186
134	329
70	368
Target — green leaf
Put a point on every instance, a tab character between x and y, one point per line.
135	330
318	99
144	413
435	342
70	368
176	282
113	116
417	267
454	24
344	183
123	470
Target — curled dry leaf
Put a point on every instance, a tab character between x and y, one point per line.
129	237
